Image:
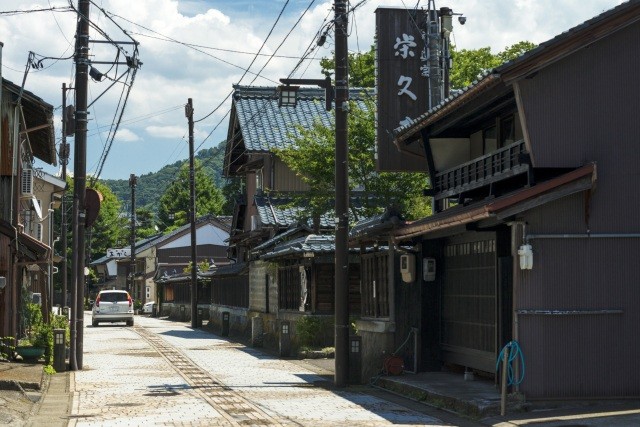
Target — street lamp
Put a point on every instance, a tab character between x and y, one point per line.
288	93
287	96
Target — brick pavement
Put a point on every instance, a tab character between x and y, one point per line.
282	389
126	381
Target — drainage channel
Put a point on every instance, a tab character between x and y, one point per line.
230	404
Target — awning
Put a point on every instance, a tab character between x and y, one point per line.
505	206
30	249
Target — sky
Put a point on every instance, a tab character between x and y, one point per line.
200	48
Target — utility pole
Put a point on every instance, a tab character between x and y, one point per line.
133	181
64	159
342	197
192	207
80	181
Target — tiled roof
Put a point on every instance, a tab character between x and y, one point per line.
226	270
313	243
376	225
285	235
266	126
276	212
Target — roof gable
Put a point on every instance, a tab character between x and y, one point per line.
258	125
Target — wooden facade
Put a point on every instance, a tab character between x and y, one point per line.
21	248
539	154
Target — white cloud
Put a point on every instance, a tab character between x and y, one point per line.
169	132
127	135
172	72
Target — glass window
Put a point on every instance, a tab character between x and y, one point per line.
490	140
259	182
507	131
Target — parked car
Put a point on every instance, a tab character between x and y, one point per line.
147	308
112	306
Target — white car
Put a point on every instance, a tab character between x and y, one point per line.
112	306
147	308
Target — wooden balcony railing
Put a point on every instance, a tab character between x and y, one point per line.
503	163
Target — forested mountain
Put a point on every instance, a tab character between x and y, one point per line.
152	185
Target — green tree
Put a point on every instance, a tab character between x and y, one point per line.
361	68
230	191
146	225
174	203
312	155
469	64
512	52
111	228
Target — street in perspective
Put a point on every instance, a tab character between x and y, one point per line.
319	213
165	373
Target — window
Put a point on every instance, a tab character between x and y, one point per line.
259	181
38	232
507	131
374	288
490	139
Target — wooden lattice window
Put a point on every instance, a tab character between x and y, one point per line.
374	284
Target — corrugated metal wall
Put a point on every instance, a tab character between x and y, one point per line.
573	107
585	109
582	340
577	309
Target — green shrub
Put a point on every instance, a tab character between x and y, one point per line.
314	332
6	347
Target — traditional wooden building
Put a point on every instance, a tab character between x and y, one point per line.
26	134
535	236
173	255
266	213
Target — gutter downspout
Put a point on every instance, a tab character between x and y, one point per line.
516	274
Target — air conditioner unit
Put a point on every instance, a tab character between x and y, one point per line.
27	182
255	222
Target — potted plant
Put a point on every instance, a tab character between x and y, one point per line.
38	335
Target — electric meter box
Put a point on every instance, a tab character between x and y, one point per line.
429	269
408	267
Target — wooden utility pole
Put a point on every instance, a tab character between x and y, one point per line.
80	182
133	181
192	217
342	197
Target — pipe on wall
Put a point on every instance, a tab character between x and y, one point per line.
583	236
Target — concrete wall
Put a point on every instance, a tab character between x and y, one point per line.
239	324
174	311
377	344
257	286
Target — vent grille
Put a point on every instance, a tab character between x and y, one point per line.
27	181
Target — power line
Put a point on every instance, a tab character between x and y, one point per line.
186	45
251	64
239	52
261	69
117	124
24	12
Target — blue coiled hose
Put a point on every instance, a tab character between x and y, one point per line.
514	352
